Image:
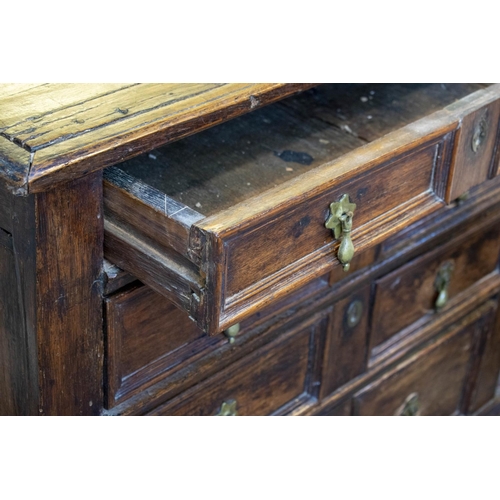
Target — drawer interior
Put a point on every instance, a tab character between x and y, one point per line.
220	167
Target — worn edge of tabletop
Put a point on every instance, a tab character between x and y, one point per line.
75	136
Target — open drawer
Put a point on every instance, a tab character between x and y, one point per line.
233	218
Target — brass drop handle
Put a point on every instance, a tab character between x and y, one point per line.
340	222
228	409
442	284
479	135
232	332
410	407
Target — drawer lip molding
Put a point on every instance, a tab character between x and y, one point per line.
248	256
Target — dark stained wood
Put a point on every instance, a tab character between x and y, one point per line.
74	129
275	378
69	243
164	270
347	339
52	301
422	330
146	336
343	409
437	374
220	167
14	369
465	313
300	230
409	293
196	359
487	378
254	255
246	253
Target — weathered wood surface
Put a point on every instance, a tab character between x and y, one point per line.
51	332
437	374
272	379
471	318
218	168
199	357
69	254
146	337
73	129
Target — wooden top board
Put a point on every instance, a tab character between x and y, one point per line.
51	133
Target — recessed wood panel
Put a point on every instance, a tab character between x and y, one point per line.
300	230
278	376
474	155
346	344
409	293
145	330
430	383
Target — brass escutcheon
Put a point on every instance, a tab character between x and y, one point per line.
340	222
442	282
228	409
354	313
480	134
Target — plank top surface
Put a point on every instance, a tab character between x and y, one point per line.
58	132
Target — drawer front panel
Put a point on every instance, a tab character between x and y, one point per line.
300	232
281	375
475	149
409	293
145	335
430	383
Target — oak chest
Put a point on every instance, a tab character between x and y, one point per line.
249	249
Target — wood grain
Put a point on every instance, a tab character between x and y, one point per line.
346	344
14	379
447	362
14	166
369	111
150	211
469	167
146	336
69	246
205	357
489	368
263	383
74	129
409	293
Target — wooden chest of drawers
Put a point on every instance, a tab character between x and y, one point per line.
329	249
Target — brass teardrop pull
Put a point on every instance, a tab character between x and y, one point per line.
480	134
228	409
340	222
442	283
232	332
